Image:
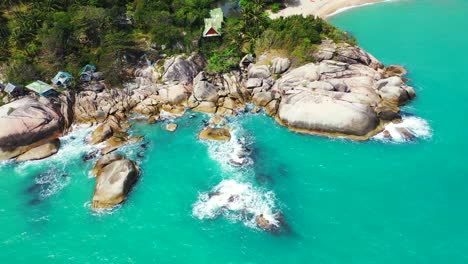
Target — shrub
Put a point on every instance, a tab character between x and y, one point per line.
275	8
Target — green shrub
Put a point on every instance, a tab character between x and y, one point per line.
275	8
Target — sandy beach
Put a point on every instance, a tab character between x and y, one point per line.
322	8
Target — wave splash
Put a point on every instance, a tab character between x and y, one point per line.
236	201
410	128
235	197
233	154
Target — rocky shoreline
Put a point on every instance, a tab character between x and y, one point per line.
345	93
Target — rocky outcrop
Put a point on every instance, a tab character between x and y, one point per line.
28	123
218	94
216	134
43	151
115	177
347	96
92	107
346	53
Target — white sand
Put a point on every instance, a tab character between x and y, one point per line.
322	8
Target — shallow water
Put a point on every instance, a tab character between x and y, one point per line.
344	201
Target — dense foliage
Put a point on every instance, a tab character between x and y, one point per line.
40	37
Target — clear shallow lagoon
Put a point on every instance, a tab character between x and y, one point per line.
345	202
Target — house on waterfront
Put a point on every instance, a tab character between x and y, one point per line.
14	89
214	24
41	88
63	79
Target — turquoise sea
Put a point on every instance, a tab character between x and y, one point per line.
343	201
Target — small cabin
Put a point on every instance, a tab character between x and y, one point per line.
41	88
63	79
86	73
213	25
14	89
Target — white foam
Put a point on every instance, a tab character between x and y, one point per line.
53	173
236	201
417	126
232	154
344	9
51	182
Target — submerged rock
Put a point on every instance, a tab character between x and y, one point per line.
171	127
272	225
115	177
217	134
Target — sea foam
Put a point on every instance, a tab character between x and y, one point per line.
417	126
237	201
235	197
233	154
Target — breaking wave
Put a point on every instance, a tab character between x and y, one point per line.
235	197
236	201
234	154
52	173
415	126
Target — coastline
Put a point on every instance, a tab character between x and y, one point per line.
323	8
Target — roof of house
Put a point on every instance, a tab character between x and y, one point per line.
61	75
9	88
88	68
214	23
39	87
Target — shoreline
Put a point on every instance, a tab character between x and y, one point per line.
323	8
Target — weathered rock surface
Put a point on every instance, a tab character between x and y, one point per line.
307	111
28	123
280	65
217	120
43	151
217	134
181	70
115	177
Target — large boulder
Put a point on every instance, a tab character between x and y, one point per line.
101	133
203	89
280	65
307	111
297	77
394	90
43	151
180	69
115	178
174	94
259	71
262	98
28	123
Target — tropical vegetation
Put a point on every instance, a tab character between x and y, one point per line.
40	37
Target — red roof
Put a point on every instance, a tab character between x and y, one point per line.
211	31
